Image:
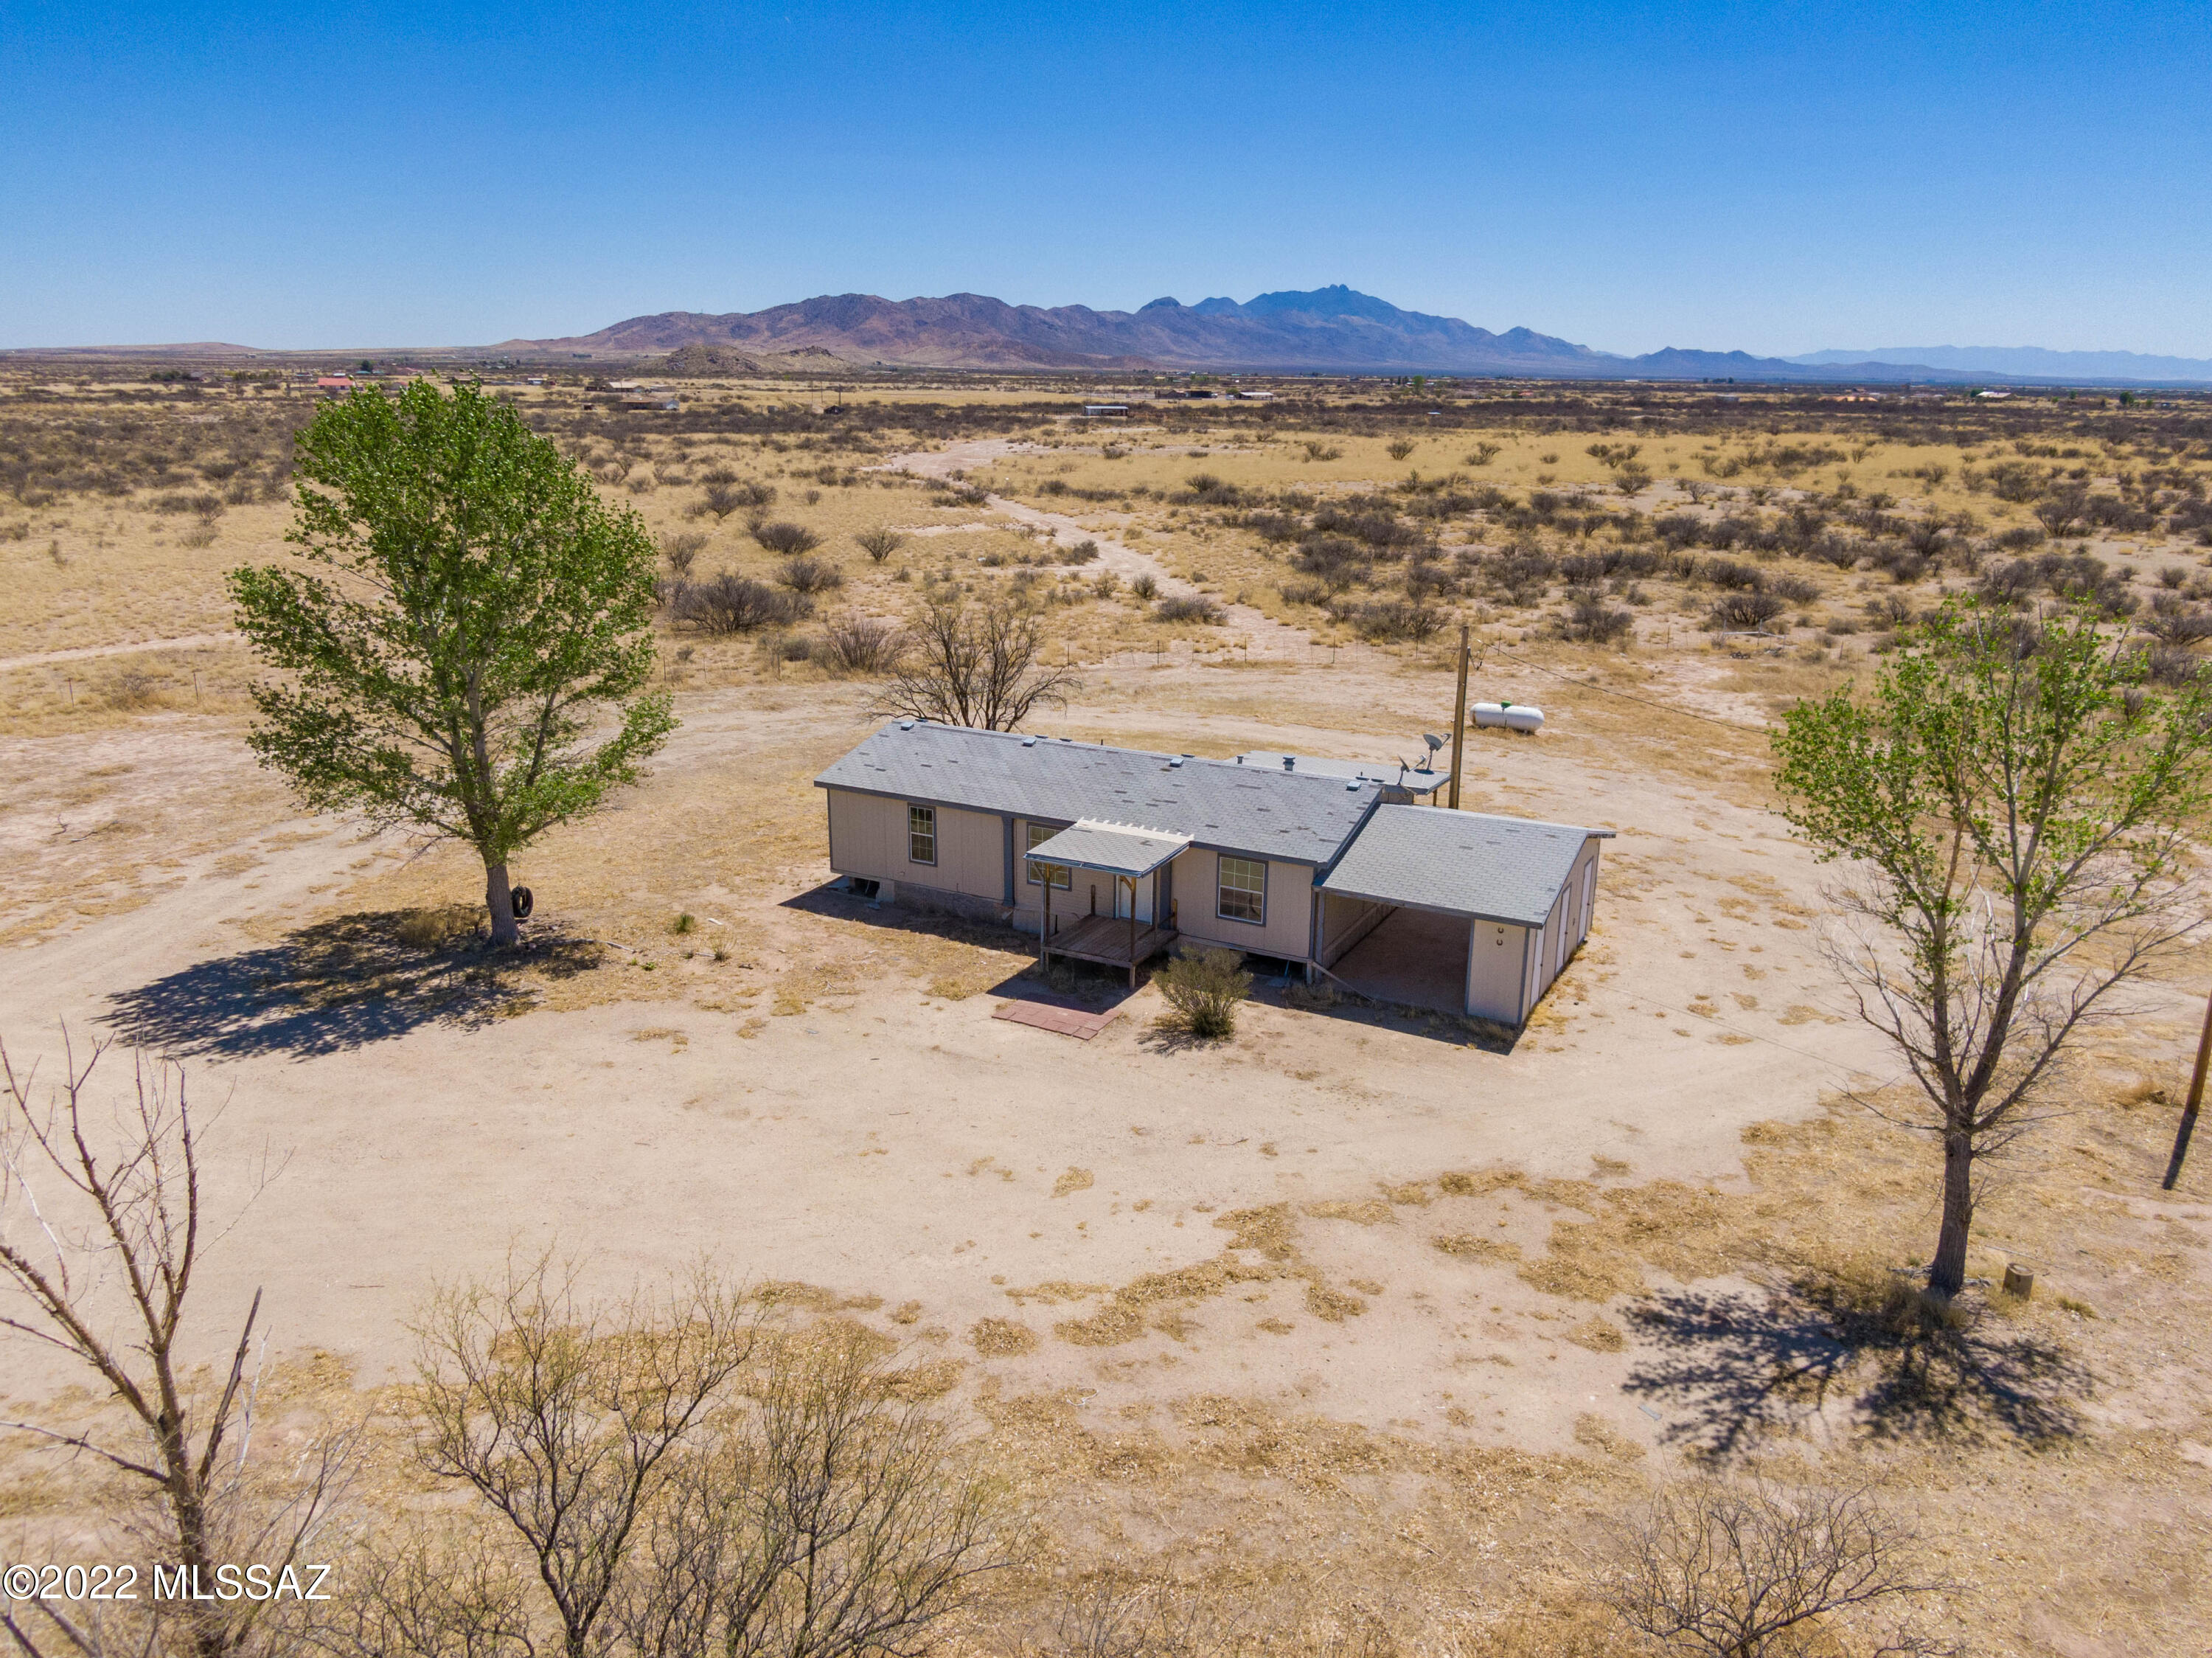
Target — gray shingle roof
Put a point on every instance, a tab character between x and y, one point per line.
1218	803
1462	863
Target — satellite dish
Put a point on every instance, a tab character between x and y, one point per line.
1434	741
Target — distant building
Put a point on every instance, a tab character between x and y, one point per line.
1106	410
334	385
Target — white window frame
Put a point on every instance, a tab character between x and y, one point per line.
1037	834
914	815
1221	887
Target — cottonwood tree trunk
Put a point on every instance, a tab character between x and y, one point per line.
499	899
1946	1275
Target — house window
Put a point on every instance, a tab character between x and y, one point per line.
921	833
1243	890
1062	876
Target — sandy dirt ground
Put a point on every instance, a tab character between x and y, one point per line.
1375	1221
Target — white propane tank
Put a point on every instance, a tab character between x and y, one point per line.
1513	716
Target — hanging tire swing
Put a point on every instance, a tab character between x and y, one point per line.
519	898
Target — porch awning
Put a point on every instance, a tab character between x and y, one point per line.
1114	848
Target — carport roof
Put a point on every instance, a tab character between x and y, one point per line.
1459	864
1115	848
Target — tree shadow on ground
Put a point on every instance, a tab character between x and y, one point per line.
1740	1365
338	984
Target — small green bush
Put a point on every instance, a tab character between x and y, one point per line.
1203	989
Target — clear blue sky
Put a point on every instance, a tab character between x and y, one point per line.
1776	177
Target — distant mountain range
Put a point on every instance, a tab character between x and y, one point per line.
2028	362
1333	329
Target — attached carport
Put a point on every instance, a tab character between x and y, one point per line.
1457	911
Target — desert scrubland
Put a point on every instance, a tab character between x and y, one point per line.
1363	1331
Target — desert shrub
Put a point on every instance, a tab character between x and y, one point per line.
1082	553
682	550
1319	451
1212	491
1794	589
673	1474
1589	620
1337	561
1753	1570
1400	448
1379	530
1745	610
861	645
809	574
1194	607
2175	623
1272	526
1679	529
1146	586
1203	990
1521	574
734	604
1903	565
1306	593
1734	577
2168	665
1387	620
1483	454
2012	583
880	543
1588	569
1425	579
779	536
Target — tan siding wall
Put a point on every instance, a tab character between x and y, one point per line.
1289	926
970	855
867	836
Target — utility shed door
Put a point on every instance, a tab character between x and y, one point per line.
1494	971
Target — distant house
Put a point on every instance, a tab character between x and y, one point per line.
334	385
1114	854
1106	410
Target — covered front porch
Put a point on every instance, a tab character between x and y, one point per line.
1132	856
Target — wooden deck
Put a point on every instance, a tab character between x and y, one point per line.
1107	941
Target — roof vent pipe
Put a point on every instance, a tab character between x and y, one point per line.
1290	762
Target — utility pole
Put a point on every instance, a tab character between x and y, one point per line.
2195	1099
1459	724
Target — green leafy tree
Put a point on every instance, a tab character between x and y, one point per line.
2017	807
467	649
